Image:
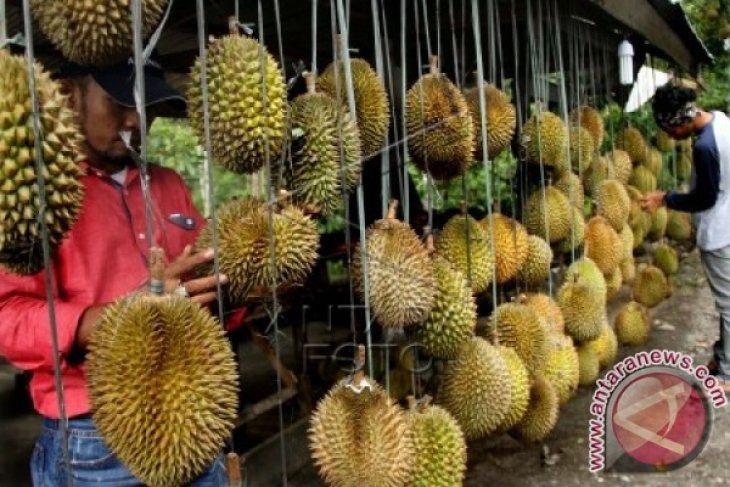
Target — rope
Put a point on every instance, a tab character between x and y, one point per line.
272	244
314	37
380	69
457	74
344	29
45	245
3	24
427	29
404	89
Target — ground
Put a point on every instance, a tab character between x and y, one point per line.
686	322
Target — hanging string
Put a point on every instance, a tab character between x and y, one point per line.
344	30
439	52
271	201
429	178
3	25
45	245
454	47
518	94
404	89
426	24
314	38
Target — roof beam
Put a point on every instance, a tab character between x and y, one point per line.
642	18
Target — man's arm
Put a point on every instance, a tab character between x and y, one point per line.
707	187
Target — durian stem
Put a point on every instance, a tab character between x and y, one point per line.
233	466
463	207
429	240
426	402
392	210
311	82
233	26
360	364
412	403
434	65
157	270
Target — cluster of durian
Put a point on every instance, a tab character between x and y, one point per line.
358	435
20	198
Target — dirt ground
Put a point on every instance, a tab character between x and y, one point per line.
686	322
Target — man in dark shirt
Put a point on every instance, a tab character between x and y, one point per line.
708	200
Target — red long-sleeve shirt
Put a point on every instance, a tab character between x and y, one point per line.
102	258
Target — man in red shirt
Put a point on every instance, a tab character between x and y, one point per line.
103	258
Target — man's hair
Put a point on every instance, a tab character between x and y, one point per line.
670	100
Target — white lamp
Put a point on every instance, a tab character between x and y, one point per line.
626	63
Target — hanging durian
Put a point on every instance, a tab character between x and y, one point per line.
536	268
664	142
589	273
666	259
633	142
603	245
501	119
590	119
562	368
371	101
94	32
518	326
325	143
548	309
583	307
246	128
542	412
621	163
684	166
643	179
572	187
581	149
452	244
654	161
627	243
632	325
510	245
613	203
628	270
439	446
614	281
577	235
650	286
245	252
20	205
359	436
639	220
606	346
658	223
453	315
679	225
440	126
476	388
546	145
519	387
400	273
548	214
163	384
589	366
600	170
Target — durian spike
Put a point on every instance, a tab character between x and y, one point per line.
157	271
311	81
392	210
434	65
233	466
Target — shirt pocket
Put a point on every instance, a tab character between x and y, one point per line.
180	229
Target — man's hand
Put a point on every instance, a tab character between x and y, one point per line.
653	200
201	290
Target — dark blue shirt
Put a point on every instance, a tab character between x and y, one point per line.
706	187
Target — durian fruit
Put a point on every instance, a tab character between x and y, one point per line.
679	225
244	132
548	214
518	326
400	273
439	447
519	387
684	166
600	170
613	283
547	144
602	244
547	308
562	368
643	179
510	245
628	270
20	233
372	108
244	243
359	436
536	268
94	33
613	203
440	126
453	315
163	386
666	259
621	163
627	243
606	346
685	145
577	235
542	412
325	143
588	364
581	149
633	142
632	325
452	244
501	119
650	286
476	388
664	142
572	187
590	119
639	220
654	161
589	272
583	307
658	223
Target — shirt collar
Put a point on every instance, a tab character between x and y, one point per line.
132	173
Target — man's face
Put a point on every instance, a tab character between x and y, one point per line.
681	132
101	120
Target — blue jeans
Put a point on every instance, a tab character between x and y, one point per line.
91	461
717	271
